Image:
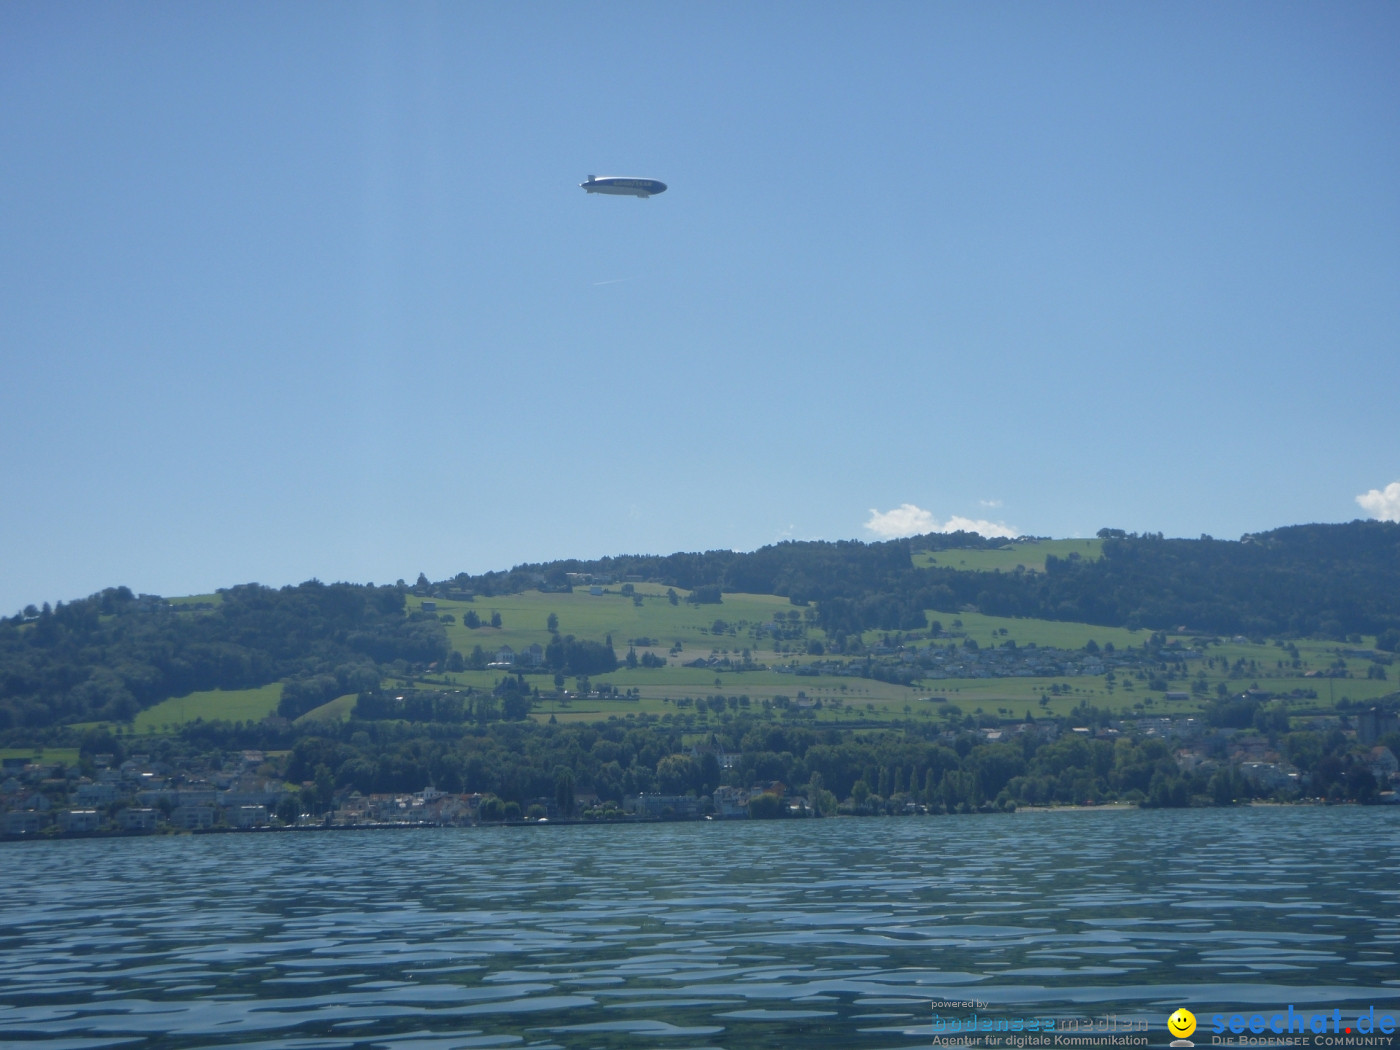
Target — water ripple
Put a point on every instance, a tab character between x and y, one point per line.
824	933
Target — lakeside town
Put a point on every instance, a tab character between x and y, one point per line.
106	793
802	679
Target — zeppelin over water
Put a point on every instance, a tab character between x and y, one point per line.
623	185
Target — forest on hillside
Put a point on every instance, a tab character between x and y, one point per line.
107	656
1326	581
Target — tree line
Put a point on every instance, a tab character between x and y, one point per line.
1328	580
107	656
110	655
880	771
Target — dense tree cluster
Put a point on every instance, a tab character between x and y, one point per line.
1304	580
870	772
805	571
571	656
110	655
473	742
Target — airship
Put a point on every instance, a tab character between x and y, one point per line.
623	185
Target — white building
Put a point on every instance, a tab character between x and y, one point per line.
80	820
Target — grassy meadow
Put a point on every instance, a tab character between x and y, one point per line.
231	705
1059	634
1029	555
680	633
1239	663
67	756
524	618
337	710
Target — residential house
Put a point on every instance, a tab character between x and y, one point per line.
724	758
1375	723
137	818
37	801
1268	775
246	816
448	809
251	791
95	794
25	822
731	802
155	796
663	806
193	817
353	809
199	794
1383	765
77	820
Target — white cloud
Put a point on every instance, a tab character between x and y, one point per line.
904	520
980	526
1382	503
993	503
909	520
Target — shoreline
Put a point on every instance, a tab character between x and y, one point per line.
268	829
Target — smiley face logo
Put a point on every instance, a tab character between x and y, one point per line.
1182	1023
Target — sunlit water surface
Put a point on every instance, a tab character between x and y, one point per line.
819	933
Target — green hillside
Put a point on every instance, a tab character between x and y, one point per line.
1029	555
949	673
233	705
842	632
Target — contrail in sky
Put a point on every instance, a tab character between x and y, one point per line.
615	280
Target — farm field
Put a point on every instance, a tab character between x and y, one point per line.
524	617
231	705
1029	555
337	710
1059	634
197	599
67	756
845	699
781	669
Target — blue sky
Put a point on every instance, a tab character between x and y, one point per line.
295	290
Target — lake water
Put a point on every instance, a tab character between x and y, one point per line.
813	934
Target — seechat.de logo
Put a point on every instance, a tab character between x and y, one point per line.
1181	1024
